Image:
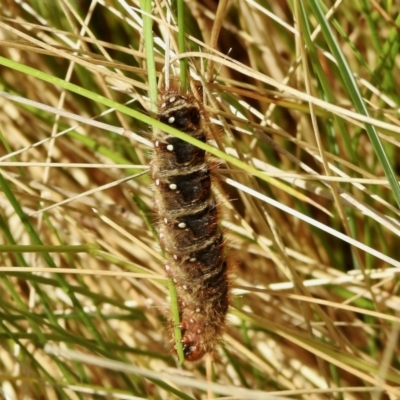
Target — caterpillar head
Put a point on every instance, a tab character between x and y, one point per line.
192	341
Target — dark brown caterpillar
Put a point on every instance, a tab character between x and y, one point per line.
189	229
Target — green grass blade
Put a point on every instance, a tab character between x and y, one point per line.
350	85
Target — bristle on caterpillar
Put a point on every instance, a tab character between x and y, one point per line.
189	226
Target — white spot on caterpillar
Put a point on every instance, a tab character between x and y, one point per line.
157	182
182	225
175	257
193	259
156	143
197	309
167	267
172	99
166	220
163	105
175	280
171	120
172	186
184	287
199	331
170	147
191	320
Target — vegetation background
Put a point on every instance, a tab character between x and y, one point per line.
301	104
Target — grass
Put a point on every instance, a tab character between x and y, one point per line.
302	110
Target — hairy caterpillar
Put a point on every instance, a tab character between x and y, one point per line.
189	229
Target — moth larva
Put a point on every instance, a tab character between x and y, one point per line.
189	226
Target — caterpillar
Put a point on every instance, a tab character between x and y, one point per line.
189	228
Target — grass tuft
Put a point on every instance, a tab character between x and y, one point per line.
302	103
